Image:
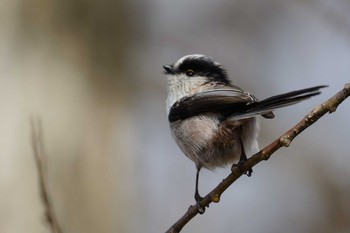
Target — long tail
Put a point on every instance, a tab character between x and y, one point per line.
266	106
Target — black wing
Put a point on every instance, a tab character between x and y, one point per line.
214	100
236	103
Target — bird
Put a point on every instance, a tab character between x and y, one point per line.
213	121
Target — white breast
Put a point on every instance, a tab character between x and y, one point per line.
180	86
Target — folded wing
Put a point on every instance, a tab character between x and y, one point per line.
236	103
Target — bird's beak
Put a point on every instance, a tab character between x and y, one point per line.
168	69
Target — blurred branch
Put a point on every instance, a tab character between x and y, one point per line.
41	163
283	141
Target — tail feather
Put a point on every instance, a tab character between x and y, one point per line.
302	94
266	106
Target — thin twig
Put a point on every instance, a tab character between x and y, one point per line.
41	163
283	141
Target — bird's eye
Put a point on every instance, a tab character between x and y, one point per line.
190	73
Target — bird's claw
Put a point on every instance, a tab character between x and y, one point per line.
198	199
240	164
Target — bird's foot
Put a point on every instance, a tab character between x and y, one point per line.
198	198
240	164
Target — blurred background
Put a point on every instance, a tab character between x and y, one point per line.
92	71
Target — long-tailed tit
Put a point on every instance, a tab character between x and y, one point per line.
212	120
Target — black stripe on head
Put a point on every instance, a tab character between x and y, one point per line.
205	67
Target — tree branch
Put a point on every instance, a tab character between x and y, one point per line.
283	141
41	163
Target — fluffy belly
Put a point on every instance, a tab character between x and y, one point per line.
207	141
